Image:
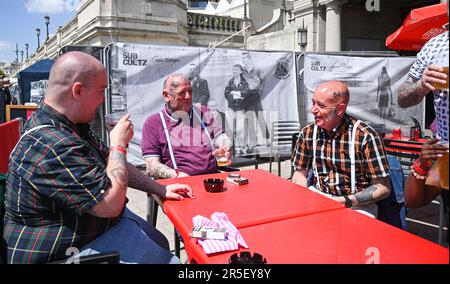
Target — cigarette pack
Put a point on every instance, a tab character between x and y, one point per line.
238	181
206	232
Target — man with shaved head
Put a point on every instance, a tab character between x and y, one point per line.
324	147
180	139
66	190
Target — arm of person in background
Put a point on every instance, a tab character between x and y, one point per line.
158	170
417	192
412	91
142	182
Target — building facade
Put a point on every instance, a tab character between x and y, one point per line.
330	25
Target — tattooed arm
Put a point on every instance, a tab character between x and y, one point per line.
380	190
116	169
411	93
113	198
158	170
142	182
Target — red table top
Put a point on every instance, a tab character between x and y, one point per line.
266	198
397	145
339	236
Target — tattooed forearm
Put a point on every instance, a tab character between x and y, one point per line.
410	93
366	196
162	171
120	175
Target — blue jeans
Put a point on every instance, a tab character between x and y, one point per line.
135	239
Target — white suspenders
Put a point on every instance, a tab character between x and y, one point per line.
352	157
169	144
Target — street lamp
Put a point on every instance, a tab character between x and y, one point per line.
302	36
38	33
26	47
21	56
47	21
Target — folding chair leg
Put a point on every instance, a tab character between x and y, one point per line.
279	167
155	212
441	220
176	240
270	164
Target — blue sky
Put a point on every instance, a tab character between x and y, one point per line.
20	18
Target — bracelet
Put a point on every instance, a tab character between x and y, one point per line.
418	169
118	148
418	175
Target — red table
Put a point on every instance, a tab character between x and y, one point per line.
266	198
403	145
338	236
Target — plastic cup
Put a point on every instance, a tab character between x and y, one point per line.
112	119
221	142
397	134
442	61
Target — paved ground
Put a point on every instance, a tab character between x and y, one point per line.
422	222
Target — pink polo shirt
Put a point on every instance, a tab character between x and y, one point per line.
190	144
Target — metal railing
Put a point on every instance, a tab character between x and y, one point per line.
204	22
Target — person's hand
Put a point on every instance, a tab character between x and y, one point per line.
178	191
431	150
222	151
182	174
433	74
122	132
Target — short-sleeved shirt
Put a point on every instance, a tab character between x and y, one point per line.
333	156
191	146
426	57
56	174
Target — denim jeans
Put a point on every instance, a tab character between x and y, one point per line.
135	239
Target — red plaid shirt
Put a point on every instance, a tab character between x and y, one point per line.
333	156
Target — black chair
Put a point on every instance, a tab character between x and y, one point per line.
281	141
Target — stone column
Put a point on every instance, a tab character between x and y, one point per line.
333	26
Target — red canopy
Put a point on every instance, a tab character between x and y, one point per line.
420	25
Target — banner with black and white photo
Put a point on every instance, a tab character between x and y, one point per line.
137	73
373	84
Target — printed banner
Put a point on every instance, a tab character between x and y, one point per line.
373	84
137	74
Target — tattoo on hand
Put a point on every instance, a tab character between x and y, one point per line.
366	195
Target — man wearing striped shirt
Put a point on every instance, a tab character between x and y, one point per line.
330	158
66	191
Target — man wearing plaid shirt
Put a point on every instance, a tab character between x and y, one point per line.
66	191
332	174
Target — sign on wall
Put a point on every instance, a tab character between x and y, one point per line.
137	73
373	84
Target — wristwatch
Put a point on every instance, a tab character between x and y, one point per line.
348	203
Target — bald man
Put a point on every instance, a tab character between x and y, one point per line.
180	139
332	176
66	190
